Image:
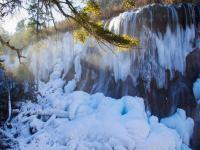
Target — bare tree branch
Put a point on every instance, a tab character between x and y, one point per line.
12	48
8	7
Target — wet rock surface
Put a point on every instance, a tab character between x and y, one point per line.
162	102
196	135
193	65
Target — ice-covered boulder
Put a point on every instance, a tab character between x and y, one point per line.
183	125
83	121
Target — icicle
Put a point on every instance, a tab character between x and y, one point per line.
165	39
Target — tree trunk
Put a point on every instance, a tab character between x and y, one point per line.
9	105
9	99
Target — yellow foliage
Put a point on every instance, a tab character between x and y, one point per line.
92	8
80	35
99	23
131	42
128	4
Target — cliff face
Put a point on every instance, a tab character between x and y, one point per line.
162	69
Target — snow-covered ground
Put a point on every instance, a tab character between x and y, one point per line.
64	119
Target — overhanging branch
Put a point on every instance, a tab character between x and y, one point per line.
12	48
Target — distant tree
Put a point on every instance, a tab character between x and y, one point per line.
20	26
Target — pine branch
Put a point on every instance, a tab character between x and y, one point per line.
98	32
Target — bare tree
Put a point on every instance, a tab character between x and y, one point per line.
7	43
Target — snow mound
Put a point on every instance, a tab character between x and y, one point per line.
66	120
82	121
183	125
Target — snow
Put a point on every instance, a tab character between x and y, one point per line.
196	89
157	53
184	126
64	118
165	51
78	120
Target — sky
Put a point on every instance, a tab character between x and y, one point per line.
10	22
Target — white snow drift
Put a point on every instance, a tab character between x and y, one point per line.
80	121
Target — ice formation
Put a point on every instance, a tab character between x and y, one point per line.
77	120
65	117
183	125
164	46
196	89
